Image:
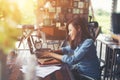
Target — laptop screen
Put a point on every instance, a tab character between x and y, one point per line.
30	45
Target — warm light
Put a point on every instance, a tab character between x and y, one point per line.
21	3
47	5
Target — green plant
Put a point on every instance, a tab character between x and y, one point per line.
10	17
103	18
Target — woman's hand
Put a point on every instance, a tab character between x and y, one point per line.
46	54
41	54
51	54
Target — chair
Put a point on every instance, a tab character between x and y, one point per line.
83	77
94	29
52	36
80	76
48	42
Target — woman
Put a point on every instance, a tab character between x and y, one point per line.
80	55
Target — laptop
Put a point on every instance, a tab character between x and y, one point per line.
38	52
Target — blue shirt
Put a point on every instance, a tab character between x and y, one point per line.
83	58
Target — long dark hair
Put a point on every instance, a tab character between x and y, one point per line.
82	24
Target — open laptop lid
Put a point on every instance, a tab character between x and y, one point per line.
31	45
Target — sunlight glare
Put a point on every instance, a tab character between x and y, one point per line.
21	3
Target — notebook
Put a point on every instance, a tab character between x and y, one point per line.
48	61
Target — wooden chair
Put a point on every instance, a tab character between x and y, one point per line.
53	36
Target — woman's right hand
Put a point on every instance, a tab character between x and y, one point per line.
43	54
57	51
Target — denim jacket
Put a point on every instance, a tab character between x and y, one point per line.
83	58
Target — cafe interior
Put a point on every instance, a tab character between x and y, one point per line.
22	38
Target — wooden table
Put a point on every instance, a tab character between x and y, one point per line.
63	74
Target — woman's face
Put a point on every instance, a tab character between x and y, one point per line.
72	32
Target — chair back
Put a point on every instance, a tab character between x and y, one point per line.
94	29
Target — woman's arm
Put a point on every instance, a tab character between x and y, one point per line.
79	53
59	51
56	56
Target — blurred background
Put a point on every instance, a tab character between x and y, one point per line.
14	13
20	12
